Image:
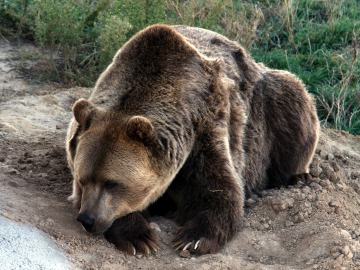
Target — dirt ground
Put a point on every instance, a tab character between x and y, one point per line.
307	226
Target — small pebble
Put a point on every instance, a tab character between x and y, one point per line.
329	173
315	186
307	204
350	255
289	223
336	254
345	250
315	170
345	234
301	197
250	202
335	166
184	253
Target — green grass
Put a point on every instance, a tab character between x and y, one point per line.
321	46
315	39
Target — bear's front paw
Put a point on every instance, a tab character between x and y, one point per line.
132	234
201	237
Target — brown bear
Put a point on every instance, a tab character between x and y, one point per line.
185	114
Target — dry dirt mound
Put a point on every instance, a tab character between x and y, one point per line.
311	225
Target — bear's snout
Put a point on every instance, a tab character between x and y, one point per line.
87	221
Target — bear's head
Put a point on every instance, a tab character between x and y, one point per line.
115	165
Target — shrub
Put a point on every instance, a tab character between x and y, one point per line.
140	13
59	26
15	17
112	34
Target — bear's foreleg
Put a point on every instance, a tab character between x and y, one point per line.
207	232
132	234
211	203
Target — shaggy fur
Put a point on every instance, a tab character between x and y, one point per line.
186	114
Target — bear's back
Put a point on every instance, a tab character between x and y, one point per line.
237	64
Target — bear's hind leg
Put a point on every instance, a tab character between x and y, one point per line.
290	159
303	177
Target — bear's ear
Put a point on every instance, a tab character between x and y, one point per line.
140	128
83	111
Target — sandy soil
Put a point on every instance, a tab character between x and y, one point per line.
308	226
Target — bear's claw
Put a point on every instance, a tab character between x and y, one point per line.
201	246
189	245
197	244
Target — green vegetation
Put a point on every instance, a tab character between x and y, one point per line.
315	39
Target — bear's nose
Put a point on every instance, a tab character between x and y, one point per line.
86	221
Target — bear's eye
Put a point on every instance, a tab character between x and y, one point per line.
110	184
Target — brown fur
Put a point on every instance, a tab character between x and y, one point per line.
185	113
